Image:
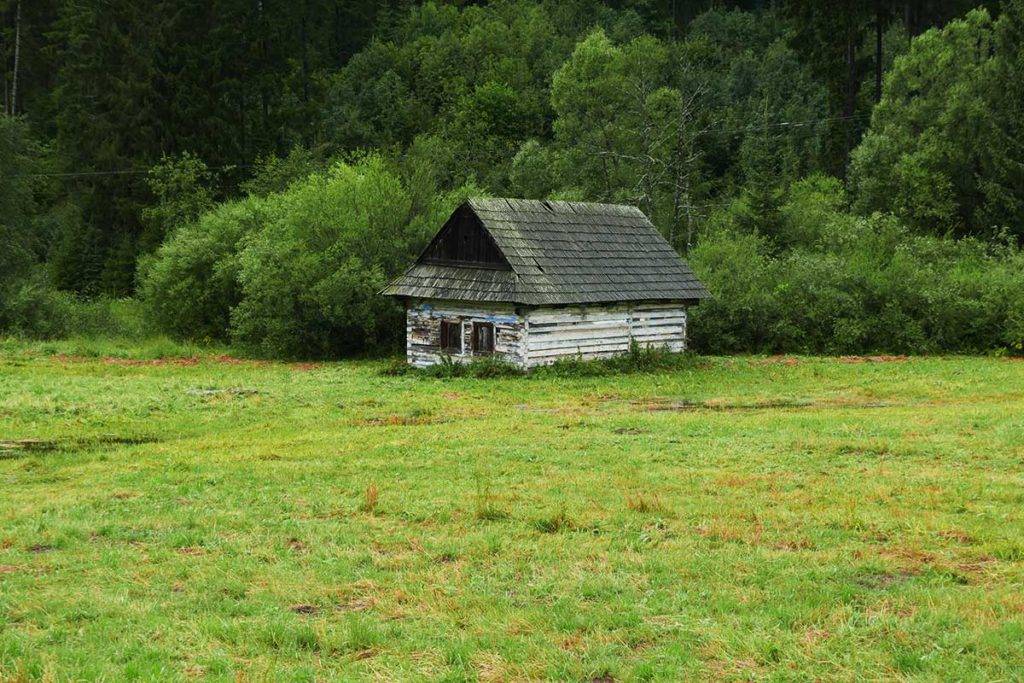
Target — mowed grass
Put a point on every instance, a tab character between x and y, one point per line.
747	518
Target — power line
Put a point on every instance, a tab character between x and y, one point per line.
123	171
784	124
709	131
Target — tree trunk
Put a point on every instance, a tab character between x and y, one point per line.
850	101
17	58
304	41
264	68
878	51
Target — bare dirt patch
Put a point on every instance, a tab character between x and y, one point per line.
957	535
728	406
14	448
304	367
632	431
154	362
720	405
881	580
980	565
873	359
814	635
231	360
356	604
914	557
778	360
207	392
411	420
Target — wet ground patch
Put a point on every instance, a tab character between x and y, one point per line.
717	405
17	448
209	392
875	579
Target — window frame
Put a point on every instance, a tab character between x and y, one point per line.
450	345
478	349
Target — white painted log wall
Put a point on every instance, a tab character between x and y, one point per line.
601	331
423	331
544	335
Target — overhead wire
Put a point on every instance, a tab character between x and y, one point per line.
794	125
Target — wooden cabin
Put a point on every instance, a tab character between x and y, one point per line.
534	281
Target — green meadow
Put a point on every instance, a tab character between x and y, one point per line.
736	518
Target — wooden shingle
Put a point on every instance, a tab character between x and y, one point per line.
559	253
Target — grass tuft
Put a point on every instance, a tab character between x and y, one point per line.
639	359
645	504
488	367
486	508
370	499
553	524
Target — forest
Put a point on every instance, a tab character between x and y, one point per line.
845	178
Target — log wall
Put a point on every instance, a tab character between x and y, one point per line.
532	337
602	331
423	331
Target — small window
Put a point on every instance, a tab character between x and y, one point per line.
483	338
451	336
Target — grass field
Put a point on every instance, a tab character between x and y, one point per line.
747	518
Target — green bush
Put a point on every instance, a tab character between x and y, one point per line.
191	283
31	308
856	285
35	310
310	278
297	274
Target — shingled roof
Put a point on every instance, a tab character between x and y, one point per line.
557	253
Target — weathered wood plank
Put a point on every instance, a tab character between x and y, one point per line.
423	332
601	331
541	336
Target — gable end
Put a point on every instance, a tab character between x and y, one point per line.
463	241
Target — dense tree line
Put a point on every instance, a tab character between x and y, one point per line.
846	178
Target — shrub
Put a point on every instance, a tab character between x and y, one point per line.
191	284
310	277
480	368
33	309
297	274
856	285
